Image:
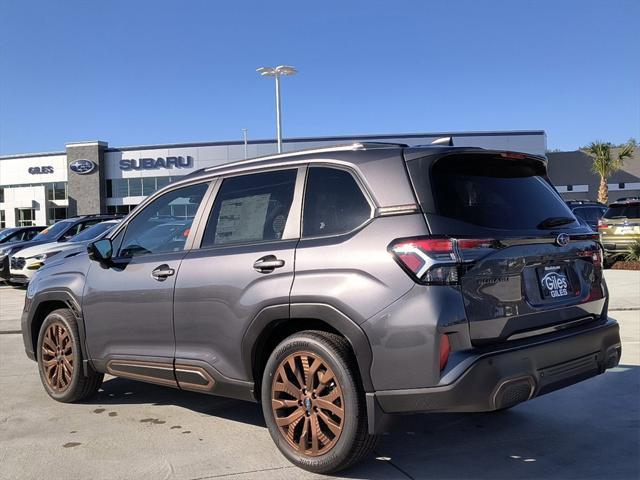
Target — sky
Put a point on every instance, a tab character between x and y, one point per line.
135	72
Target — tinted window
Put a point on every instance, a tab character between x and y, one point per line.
92	232
163	225
333	203
5	234
53	231
29	234
493	192
590	214
251	208
620	211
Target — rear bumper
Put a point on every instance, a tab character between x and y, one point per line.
618	245
500	379
4	268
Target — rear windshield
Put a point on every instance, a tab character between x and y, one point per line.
494	192
623	211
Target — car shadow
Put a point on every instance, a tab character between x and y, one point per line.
589	430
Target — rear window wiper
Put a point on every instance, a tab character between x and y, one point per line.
555	222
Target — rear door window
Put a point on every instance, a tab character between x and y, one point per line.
251	208
492	192
333	203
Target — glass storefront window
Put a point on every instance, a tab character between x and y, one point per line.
26	217
56	214
120	187
163	181
56	191
135	187
119	209
148	185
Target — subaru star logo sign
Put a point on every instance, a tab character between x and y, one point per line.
562	239
82	167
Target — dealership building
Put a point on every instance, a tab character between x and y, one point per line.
92	177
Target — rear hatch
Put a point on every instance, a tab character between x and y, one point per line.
523	264
620	224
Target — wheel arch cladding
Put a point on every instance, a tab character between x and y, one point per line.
273	324
42	305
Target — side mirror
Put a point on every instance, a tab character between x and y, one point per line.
100	250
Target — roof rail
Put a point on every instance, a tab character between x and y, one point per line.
307	151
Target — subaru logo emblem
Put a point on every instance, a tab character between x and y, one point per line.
82	167
562	239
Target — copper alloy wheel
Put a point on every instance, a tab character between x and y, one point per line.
307	403
57	357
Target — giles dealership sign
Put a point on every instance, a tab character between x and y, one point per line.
40	170
156	163
82	167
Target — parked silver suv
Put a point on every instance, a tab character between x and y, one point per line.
335	286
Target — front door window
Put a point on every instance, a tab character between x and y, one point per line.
163	225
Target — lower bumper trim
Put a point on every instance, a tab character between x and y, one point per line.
504	378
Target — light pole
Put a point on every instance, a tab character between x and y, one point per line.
244	137
282	70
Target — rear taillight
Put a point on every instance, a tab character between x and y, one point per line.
513	155
602	224
596	257
435	261
445	350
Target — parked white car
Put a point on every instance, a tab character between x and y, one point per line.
27	261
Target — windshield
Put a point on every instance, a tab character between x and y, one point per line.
53	231
493	192
5	233
92	232
631	210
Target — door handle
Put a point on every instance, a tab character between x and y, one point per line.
268	263
162	272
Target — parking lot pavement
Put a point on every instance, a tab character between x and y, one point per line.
624	289
137	430
11	301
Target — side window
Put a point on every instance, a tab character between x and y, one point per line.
251	208
163	225
77	228
333	203
70	232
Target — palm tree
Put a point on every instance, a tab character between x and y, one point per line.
604	164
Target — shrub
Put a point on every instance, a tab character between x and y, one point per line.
634	252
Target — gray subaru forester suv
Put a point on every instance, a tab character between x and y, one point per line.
335	286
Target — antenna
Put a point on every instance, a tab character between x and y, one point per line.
443	141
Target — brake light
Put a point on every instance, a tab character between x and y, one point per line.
513	155
445	350
434	261
597	258
602	224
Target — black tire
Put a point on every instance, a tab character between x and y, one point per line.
354	442
58	350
